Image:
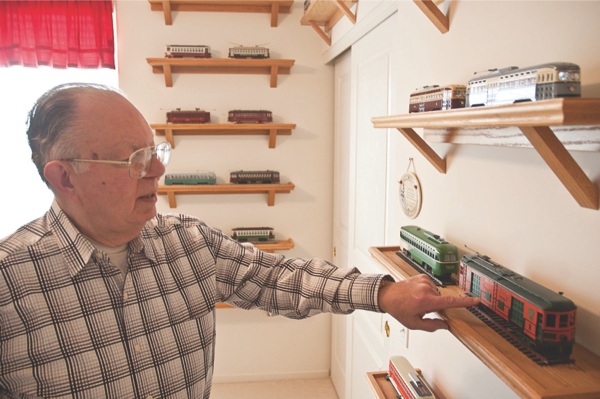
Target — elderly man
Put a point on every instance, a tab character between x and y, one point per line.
103	297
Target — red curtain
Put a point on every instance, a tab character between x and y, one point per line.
59	34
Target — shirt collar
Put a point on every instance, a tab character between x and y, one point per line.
75	246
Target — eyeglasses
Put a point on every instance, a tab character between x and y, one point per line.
139	161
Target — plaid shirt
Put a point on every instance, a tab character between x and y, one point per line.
71	327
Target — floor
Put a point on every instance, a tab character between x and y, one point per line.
289	389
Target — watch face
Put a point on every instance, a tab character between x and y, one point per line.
410	194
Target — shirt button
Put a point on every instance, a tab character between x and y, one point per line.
125	296
137	348
149	397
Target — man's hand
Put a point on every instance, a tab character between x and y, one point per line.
408	301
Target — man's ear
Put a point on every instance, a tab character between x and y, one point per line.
58	174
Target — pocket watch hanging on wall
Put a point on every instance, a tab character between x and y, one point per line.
410	192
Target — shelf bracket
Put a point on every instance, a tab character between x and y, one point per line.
435	15
321	32
166	5
168	75
563	165
346	10
424	149
274	73
274	14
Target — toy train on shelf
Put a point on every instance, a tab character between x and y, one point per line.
250	116
234	116
249	52
430	253
203	51
538	318
253	234
254	177
188	116
190	178
406	380
187	51
502	86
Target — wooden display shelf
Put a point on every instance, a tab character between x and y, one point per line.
273	7
566	381
270	189
223	129
434	14
278	245
534	119
267	66
322	15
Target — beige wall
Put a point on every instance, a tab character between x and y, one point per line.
250	345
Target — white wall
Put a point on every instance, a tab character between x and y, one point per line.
250	345
504	202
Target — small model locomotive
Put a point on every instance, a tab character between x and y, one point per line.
187	51
190	178
406	380
248	52
513	85
542	318
430	251
436	98
188	116
253	234
254	177
250	116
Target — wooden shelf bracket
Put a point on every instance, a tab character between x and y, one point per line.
436	16
322	15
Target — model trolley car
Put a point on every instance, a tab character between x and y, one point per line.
254	177
188	116
430	251
436	98
406	380
187	51
248	52
250	116
253	234
513	85
543	318
190	178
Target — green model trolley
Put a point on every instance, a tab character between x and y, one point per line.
430	251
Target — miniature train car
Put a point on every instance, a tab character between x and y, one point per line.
248	52
253	234
545	319
190	178
250	116
406	380
188	116
512	85
254	177
187	51
436	98
430	251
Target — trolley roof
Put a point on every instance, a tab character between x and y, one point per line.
537	294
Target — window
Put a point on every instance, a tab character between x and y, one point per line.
24	195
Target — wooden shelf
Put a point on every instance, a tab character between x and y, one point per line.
526	378
279	245
225	129
534	119
273	7
268	66
322	15
270	189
